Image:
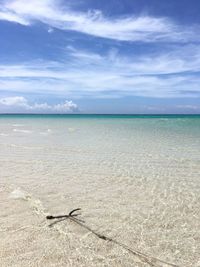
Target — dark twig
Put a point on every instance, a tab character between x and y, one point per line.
71	212
50	217
152	261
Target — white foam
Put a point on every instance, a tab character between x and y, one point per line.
22	131
71	129
19	194
35	204
48	131
13	145
3	134
18	125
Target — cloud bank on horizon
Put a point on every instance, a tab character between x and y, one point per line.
21	104
57	50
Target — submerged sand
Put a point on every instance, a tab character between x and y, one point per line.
138	188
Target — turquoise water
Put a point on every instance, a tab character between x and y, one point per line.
171	116
136	178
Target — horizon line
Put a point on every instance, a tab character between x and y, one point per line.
113	114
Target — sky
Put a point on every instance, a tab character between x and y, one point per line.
102	56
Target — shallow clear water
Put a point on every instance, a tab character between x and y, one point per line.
136	179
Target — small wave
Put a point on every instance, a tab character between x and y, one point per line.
35	204
22	131
71	129
3	134
18	125
24	147
13	145
19	194
48	131
163	119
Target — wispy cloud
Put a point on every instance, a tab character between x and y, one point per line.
131	28
189	107
12	17
177	60
21	104
173	74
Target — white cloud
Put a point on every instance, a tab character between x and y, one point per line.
179	60
50	30
12	17
189	107
102	84
21	104
13	101
173	74
132	28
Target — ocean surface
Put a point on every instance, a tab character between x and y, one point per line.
136	179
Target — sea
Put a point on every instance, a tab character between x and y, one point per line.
136	179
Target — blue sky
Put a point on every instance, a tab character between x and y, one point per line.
116	56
